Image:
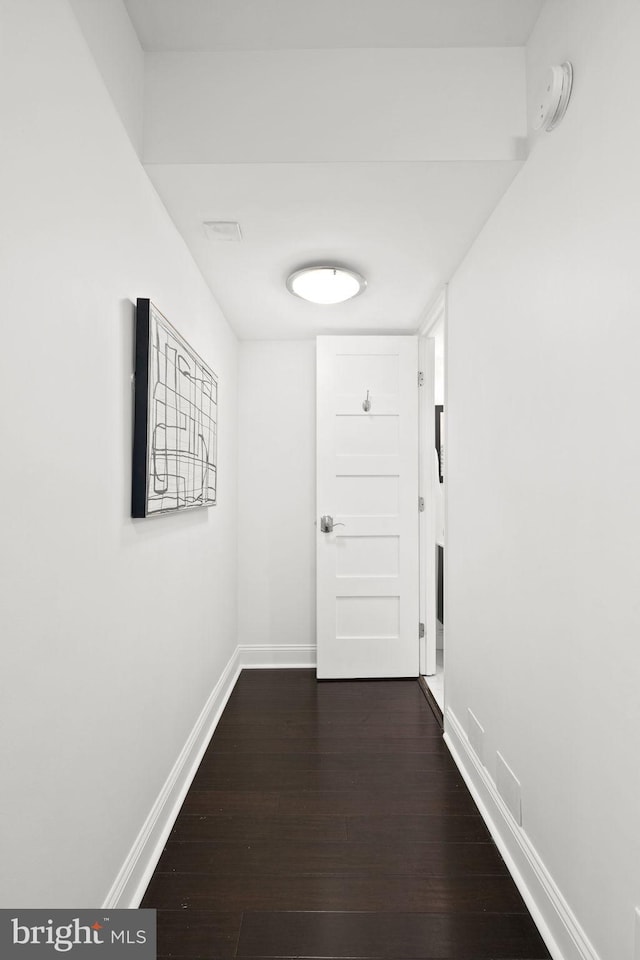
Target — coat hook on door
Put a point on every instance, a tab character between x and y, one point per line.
366	404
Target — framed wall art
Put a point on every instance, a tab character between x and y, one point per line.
175	420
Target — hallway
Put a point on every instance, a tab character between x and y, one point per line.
328	820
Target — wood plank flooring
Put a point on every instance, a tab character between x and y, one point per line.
328	820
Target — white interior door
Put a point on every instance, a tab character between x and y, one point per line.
367	484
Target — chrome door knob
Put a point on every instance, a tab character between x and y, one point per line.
327	524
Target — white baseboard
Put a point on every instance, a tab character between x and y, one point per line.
253	655
132	881
558	925
129	886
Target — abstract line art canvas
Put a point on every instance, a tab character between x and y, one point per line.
175	420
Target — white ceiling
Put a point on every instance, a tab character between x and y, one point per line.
190	25
387	162
405	226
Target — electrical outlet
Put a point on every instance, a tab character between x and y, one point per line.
636	952
508	787
475	733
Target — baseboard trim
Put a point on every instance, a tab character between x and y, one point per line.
558	925
129	886
255	655
431	700
133	878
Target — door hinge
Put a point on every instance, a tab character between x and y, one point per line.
421	504
420	378
420	631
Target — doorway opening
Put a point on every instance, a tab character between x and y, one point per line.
432	346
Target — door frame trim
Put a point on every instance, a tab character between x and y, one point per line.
436	314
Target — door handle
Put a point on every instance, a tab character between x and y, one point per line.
327	524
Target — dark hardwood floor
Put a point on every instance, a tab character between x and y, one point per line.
329	820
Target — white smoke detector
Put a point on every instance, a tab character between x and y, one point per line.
553	101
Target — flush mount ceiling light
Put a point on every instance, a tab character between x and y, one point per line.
326	284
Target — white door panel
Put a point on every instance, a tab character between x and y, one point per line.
368	483
367	496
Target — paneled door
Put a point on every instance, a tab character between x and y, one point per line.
367	503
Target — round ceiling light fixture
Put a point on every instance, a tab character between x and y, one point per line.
326	284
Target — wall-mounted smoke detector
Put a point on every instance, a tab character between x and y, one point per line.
226	230
553	101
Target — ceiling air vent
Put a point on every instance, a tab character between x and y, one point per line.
225	230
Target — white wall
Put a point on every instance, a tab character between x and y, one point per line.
277	535
543	477
114	632
119	57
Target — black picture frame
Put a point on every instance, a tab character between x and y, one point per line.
174	460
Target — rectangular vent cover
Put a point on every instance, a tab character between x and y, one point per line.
226	230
